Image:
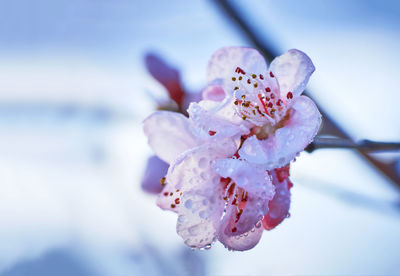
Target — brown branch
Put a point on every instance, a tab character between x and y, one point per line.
366	145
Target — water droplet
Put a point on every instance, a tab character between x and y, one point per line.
203	214
258	224
189	204
207	247
252	230
194	230
181	219
202	162
203	176
288	215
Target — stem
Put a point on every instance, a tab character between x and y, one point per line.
366	145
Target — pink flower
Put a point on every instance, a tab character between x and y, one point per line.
227	179
210	206
282	120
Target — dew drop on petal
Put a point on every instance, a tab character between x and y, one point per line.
203	214
203	176
194	230
202	162
189	204
181	219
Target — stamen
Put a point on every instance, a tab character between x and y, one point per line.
162	181
289	95
271	74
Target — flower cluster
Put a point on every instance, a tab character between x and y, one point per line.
228	175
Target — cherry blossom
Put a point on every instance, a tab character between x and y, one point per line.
283	122
228	175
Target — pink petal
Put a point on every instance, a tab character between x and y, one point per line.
253	180
214	122
242	242
169	134
280	204
281	147
166	75
292	70
155	170
214	93
201	204
224	62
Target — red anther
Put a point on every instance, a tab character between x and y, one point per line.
177	201
267	98
261	77
234	201
240	70
234	229
267	89
211	132
248	81
270	105
289	95
166	194
271	74
272	96
238	215
279	102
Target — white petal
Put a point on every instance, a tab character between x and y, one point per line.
211	116
292	70
201	205
281	147
224	62
256	182
242	242
169	134
155	170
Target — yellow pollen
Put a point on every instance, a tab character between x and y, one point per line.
233	79
254	76
240	78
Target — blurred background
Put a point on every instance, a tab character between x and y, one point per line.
74	90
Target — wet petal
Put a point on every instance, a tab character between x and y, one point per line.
155	170
224	62
252	198
242	242
212	120
292	70
280	204
281	147
201	204
169	134
214	93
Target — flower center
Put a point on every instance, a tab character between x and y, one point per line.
258	99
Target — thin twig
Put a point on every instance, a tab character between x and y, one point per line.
366	145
